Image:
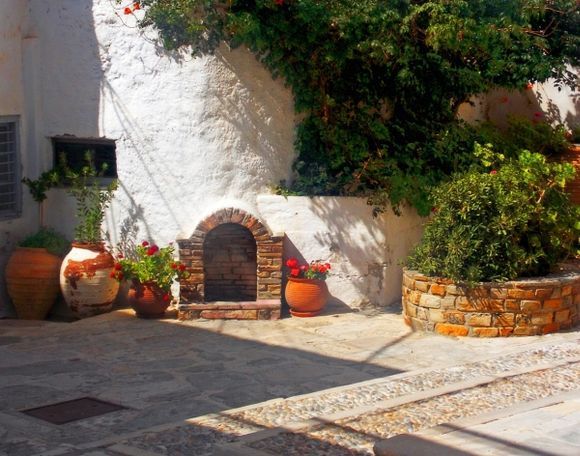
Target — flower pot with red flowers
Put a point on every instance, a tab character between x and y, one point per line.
306	291
85	280
151	271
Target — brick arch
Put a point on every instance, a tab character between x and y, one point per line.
269	270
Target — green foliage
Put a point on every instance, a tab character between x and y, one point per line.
48	239
92	200
39	187
500	224
151	264
379	83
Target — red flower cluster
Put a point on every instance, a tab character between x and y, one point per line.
493	171
314	270
279	2
130	9
152	250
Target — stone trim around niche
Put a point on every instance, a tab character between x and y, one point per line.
269	271
517	308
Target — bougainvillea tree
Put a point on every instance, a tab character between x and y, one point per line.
379	82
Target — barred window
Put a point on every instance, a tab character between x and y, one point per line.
9	168
101	152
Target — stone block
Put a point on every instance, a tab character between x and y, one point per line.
478	319
553	304
422	313
455	290
230	314
415	297
505	332
521	294
410	309
543	293
454	317
422	286
465	304
550	328
527	330
437	289
556	293
530	305
478	292
448	329
512	305
497	293
448	302
504	319
542	318
408	282
562	316
436	316
430	301
485	332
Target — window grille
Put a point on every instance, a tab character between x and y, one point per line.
9	169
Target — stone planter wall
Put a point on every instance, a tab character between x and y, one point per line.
519	308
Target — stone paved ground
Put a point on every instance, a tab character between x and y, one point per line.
332	385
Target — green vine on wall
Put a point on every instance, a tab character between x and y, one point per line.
379	83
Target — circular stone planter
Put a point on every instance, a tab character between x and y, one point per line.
516	308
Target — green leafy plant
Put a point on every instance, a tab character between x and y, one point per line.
150	264
48	239
92	200
499	224
39	187
378	84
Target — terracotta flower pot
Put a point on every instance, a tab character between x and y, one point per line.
148	300
32	281
85	280
306	297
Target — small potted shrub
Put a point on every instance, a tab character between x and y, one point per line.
151	271
85	278
33	267
32	273
306	290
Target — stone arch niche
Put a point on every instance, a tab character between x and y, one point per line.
236	269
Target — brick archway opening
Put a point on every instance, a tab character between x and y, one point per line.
230	264
230	279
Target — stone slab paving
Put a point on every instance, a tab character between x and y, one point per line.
166	372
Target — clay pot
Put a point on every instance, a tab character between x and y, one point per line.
306	297
32	281
85	280
148	300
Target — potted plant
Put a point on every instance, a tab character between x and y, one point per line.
33	267
151	271
32	273
306	290
85	278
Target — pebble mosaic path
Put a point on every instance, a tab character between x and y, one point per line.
349	420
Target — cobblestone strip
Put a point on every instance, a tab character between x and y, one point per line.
356	435
201	435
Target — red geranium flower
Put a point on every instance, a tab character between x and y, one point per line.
152	250
118	266
493	171
279	2
294	272
113	275
182	267
136	6
144	243
127	10
174	266
166	297
292	263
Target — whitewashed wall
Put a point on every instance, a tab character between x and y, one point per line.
365	252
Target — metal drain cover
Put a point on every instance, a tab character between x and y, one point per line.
78	409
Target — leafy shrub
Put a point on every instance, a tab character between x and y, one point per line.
48	239
379	83
500	224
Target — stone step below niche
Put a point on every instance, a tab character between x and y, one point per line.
265	309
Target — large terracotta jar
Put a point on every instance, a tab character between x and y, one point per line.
85	280
148	300
32	281
306	297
